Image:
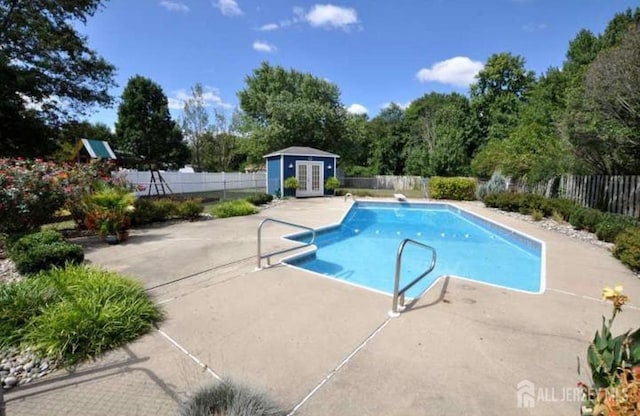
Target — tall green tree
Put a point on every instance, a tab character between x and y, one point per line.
602	144
388	133
612	91
499	94
442	135
285	108
222	151
195	125
48	72
534	150
145	127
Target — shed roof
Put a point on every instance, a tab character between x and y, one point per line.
301	151
97	149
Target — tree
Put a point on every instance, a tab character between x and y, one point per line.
145	127
388	133
602	143
534	150
442	135
195	124
498	95
222	151
288	108
611	88
48	72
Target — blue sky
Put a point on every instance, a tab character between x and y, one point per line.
376	51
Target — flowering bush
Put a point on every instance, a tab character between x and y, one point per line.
615	365
30	194
31	191
79	181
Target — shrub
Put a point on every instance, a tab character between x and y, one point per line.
190	209
585	218
537	215
228	398
43	250
506	201
109	209
331	184
149	210
82	312
291	183
562	208
260	199
613	224
627	248
534	202
30	194
459	189
234	209
497	183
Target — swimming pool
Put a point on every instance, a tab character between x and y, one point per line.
362	249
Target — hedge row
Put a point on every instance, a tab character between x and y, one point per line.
459	189
622	230
149	210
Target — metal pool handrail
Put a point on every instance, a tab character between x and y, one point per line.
398	294
290	224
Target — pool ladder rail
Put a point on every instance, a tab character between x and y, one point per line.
398	293
286	250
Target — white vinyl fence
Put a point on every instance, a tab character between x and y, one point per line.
218	183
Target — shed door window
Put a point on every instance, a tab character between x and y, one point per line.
302	177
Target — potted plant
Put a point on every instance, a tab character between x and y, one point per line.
332	184
108	212
615	366
291	184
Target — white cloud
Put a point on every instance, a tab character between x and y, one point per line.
330	16
459	71
228	7
210	95
357	109
269	27
262	46
532	27
174	6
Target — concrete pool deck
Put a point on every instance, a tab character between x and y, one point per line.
328	348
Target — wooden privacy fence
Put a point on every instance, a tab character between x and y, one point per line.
398	183
618	194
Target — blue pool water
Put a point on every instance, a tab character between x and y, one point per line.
362	248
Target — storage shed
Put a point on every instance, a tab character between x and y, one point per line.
312	167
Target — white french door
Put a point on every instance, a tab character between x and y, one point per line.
310	177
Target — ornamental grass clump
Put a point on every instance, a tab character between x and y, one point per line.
235	208
227	398
74	313
615	365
